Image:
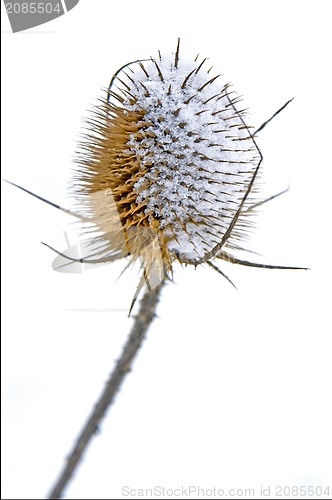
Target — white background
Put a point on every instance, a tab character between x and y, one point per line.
232	389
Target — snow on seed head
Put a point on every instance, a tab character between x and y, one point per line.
170	149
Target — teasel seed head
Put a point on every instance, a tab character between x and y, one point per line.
167	165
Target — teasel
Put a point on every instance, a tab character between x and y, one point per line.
168	169
167	172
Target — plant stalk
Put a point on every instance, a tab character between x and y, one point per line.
141	324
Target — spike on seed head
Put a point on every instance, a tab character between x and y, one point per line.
151	176
176	59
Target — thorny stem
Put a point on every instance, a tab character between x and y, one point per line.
141	324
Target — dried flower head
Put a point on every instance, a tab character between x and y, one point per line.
167	166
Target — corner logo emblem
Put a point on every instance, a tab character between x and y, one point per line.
24	15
